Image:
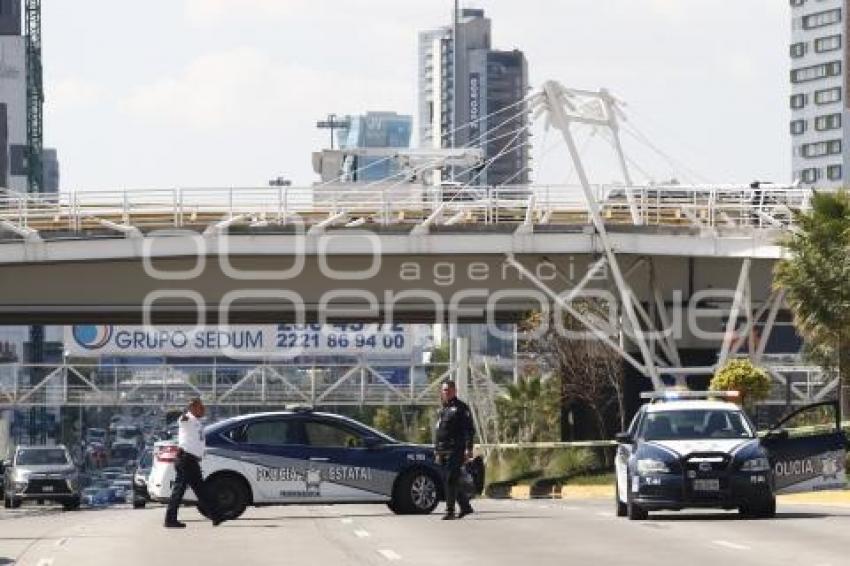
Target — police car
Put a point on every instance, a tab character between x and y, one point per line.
698	449
302	456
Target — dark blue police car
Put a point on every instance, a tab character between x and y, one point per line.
691	449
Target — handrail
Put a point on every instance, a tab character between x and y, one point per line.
711	207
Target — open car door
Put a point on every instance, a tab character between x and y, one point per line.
808	450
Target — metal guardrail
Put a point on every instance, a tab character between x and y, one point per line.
248	385
384	205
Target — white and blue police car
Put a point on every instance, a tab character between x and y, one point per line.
700	450
303	456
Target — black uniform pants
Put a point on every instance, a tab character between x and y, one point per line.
453	467
188	469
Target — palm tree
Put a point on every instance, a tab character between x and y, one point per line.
529	411
816	278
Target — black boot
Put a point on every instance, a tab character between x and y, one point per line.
175	525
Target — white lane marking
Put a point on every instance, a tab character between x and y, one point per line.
390	555
572	508
732	545
361	533
45	562
604	514
347	521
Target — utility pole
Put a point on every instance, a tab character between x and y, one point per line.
35	176
332	124
455	79
35	97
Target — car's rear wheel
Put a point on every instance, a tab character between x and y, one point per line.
15	502
138	504
230	495
416	493
72	505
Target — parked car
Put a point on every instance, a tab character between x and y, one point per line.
140	480
96	435
127	436
95	497
43	474
306	457
695	449
123	491
121	453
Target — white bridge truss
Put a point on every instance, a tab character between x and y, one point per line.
235	384
718	211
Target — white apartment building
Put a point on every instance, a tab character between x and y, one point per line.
818	92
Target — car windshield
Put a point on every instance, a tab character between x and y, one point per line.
127	432
695	424
41	457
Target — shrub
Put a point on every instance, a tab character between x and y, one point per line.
571	461
741	375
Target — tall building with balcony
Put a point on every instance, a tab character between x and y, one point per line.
819	84
484	82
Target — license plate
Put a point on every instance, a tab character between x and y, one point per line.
47	488
706	485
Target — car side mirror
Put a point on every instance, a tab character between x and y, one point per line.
624	438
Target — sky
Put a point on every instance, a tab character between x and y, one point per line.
220	93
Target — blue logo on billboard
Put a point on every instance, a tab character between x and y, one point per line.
92	336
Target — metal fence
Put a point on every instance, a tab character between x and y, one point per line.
376	205
264	384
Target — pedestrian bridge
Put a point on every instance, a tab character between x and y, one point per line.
362	252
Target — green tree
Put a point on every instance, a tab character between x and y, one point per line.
389	422
752	382
530	410
816	279
588	371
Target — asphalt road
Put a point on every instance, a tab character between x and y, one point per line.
525	533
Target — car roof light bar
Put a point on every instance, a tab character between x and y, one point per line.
656	396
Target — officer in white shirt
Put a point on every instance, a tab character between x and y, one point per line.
188	467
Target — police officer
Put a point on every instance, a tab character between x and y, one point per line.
188	467
455	433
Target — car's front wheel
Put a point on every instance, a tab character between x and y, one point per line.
416	493
765	509
622	509
634	511
72	505
230	495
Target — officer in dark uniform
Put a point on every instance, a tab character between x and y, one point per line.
188	467
455	434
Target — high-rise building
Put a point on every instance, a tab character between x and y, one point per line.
375	130
484	82
50	167
13	98
13	106
819	60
